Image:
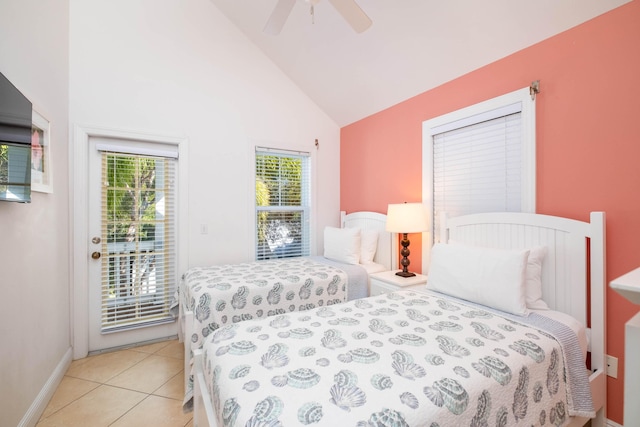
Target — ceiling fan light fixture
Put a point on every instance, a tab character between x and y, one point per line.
348	9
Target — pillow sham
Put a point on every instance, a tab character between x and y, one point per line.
533	277
342	244
491	277
533	285
368	245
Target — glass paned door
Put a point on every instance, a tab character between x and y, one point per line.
138	271
133	274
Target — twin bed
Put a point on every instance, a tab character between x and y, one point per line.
445	355
211	297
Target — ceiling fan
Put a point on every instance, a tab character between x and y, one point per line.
349	9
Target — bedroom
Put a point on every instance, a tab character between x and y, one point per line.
597	77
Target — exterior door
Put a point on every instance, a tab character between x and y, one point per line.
132	241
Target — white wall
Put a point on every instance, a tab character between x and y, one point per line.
179	68
166	67
34	238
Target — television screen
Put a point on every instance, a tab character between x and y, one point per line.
15	143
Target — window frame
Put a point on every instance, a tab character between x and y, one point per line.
306	196
475	114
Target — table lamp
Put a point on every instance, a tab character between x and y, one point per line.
406	218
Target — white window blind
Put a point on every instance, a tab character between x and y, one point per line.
138	239
480	158
15	171
477	168
282	203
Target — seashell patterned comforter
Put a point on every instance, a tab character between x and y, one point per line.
401	359
224	294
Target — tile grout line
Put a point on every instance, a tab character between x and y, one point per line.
104	383
74	400
128	410
135	364
147	394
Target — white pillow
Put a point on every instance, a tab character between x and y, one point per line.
368	245
491	277
533	285
342	244
533	277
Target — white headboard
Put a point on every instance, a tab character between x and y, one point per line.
573	271
387	252
564	272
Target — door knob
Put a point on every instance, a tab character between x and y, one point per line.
95	255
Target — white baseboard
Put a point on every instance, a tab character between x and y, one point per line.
38	406
613	424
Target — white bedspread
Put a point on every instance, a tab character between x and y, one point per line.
357	276
223	294
399	359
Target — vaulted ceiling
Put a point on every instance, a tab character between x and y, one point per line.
412	46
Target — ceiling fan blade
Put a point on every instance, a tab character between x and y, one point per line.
353	14
279	16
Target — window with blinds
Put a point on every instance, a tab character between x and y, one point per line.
282	203
477	168
138	238
481	158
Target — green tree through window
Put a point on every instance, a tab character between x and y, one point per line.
138	230
282	204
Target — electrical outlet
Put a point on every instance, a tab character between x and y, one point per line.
612	366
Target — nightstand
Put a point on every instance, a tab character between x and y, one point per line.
388	281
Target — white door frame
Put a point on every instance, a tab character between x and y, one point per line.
80	221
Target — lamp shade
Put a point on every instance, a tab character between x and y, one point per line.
407	218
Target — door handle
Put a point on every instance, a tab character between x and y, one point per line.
95	255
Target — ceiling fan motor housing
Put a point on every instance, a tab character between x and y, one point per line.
349	9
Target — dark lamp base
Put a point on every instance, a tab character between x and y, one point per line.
405	274
404	262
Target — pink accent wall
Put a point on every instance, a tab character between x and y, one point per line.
588	144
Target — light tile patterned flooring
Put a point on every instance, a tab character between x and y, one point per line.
141	386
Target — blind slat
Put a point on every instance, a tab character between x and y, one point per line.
476	168
139	239
282	203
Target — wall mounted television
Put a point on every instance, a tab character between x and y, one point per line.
15	143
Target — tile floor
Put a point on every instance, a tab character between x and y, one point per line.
141	386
